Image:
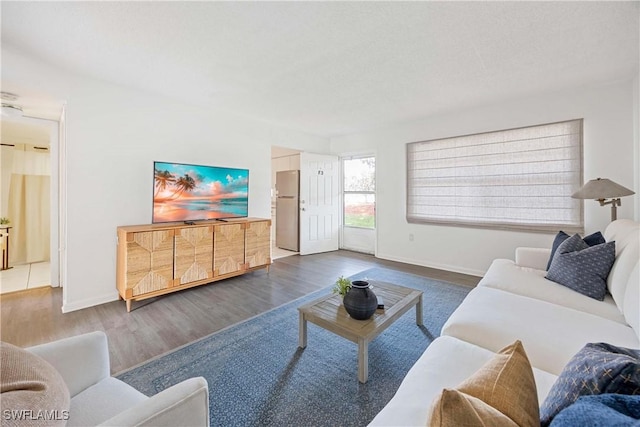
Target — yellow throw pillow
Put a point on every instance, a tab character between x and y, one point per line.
456	409
505	383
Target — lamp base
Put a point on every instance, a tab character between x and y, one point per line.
614	204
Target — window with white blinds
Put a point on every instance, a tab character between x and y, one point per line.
517	178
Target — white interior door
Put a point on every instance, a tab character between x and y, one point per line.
319	203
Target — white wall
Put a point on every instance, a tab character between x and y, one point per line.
636	144
113	135
608	152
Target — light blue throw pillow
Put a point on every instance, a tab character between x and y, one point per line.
603	410
596	369
583	268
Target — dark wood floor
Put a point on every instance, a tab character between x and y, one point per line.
158	325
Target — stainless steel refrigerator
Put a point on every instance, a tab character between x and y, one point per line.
287	210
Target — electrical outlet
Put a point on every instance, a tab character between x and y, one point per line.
411	237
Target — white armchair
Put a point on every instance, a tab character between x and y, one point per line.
99	399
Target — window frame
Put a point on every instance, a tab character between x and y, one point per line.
577	227
345	192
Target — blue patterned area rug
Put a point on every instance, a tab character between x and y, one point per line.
258	376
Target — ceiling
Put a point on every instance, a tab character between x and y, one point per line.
334	68
17	132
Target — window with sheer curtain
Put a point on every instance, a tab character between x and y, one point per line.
510	179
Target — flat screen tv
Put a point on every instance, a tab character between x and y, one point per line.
183	192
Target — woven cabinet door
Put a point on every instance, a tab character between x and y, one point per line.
149	261
193	254
258	244
228	249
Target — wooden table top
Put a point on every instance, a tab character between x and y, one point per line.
329	313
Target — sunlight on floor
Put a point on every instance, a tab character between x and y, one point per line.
25	276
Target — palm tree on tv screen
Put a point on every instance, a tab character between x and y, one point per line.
184	183
163	180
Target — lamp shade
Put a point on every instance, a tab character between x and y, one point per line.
601	188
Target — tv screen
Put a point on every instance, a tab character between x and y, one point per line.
183	192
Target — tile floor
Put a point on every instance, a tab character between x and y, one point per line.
280	253
26	276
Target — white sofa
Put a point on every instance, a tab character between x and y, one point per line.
97	398
514	301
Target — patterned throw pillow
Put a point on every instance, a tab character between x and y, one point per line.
596	369
583	268
592	239
501	393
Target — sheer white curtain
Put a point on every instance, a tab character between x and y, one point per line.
29	205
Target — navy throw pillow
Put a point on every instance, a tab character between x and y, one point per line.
583	268
597	368
592	239
618	410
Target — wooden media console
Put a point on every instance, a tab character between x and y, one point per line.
156	259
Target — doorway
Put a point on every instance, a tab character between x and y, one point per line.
29	201
318	200
282	159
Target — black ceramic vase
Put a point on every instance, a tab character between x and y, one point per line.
360	301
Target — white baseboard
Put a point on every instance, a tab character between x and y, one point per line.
90	302
453	268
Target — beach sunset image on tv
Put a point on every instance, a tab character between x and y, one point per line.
183	192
